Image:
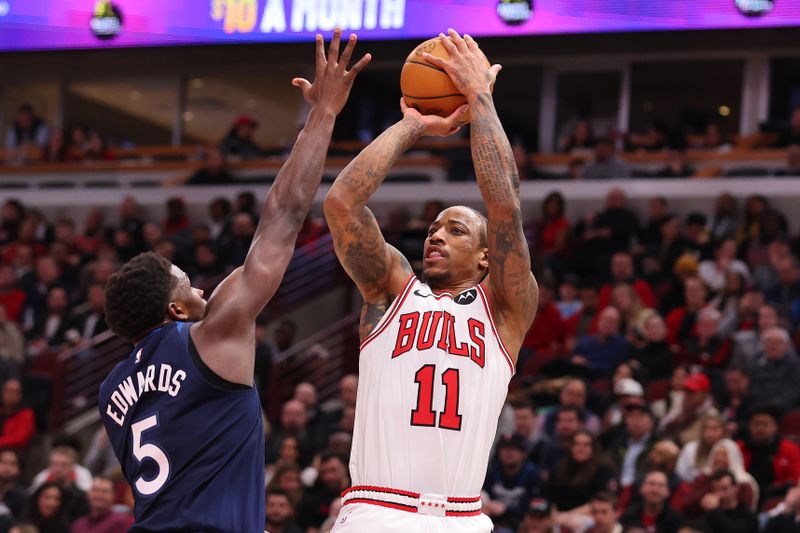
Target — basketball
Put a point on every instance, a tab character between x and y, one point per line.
426	87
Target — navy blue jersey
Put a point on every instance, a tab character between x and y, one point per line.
190	443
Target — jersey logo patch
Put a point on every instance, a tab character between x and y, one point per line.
466	297
139	356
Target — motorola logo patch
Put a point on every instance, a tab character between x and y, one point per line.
466	297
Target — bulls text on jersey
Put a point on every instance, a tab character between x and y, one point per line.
154	378
425	330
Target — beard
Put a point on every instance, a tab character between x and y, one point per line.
436	279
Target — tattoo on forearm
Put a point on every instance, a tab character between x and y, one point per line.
498	179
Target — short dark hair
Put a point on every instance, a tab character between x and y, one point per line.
605	496
568	409
721	474
280	492
327	456
523	404
138	295
772	411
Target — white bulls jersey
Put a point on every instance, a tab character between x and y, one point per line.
433	377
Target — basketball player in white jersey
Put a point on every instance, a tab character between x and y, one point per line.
437	352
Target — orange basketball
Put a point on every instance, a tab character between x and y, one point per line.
426	87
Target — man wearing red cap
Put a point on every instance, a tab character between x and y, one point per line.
239	142
683	423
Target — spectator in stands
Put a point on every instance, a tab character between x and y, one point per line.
695	454
11	217
239	142
572	394
234	246
101	517
725	455
215	170
724	221
90	322
568	422
599	354
100	458
713	139
26	138
511	482
575	168
64	468
50	326
606	165
280	513
552	231
772	460
681	322
790	135
219	212
628	448
654	357
12	298
176	220
579	475
97	148
580	324
77	145
766	275
622	271
47	509
56	146
677	165
525	426
747	343
603	509
581	137
657	213
784	518
12	494
653	512
608	231
12	343
714	272
696	236
287	478
777	372
547	334
626	391
539	518
47	277
130	220
792	162
653	140
737	399
294	420
18	425
723	510
569	303
707	348
683	423
785	295
333	479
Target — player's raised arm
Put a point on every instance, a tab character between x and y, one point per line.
513	287
239	299
376	267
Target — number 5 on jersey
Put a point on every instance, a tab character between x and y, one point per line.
149	451
424	415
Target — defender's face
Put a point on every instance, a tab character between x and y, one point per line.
189	298
453	249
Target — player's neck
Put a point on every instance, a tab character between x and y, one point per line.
451	287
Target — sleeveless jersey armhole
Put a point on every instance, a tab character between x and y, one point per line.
488	308
209	375
390	312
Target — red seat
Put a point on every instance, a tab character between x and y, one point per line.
790	424
657	390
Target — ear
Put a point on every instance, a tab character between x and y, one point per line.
484	259
177	312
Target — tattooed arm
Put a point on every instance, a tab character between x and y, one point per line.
377	268
515	295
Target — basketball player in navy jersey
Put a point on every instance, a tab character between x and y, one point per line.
181	412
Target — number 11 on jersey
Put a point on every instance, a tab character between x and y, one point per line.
424	415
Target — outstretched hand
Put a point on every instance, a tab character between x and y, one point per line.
332	81
467	66
434	125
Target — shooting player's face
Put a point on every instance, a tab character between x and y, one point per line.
455	249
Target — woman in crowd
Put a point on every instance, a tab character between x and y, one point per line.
47	509
695	454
